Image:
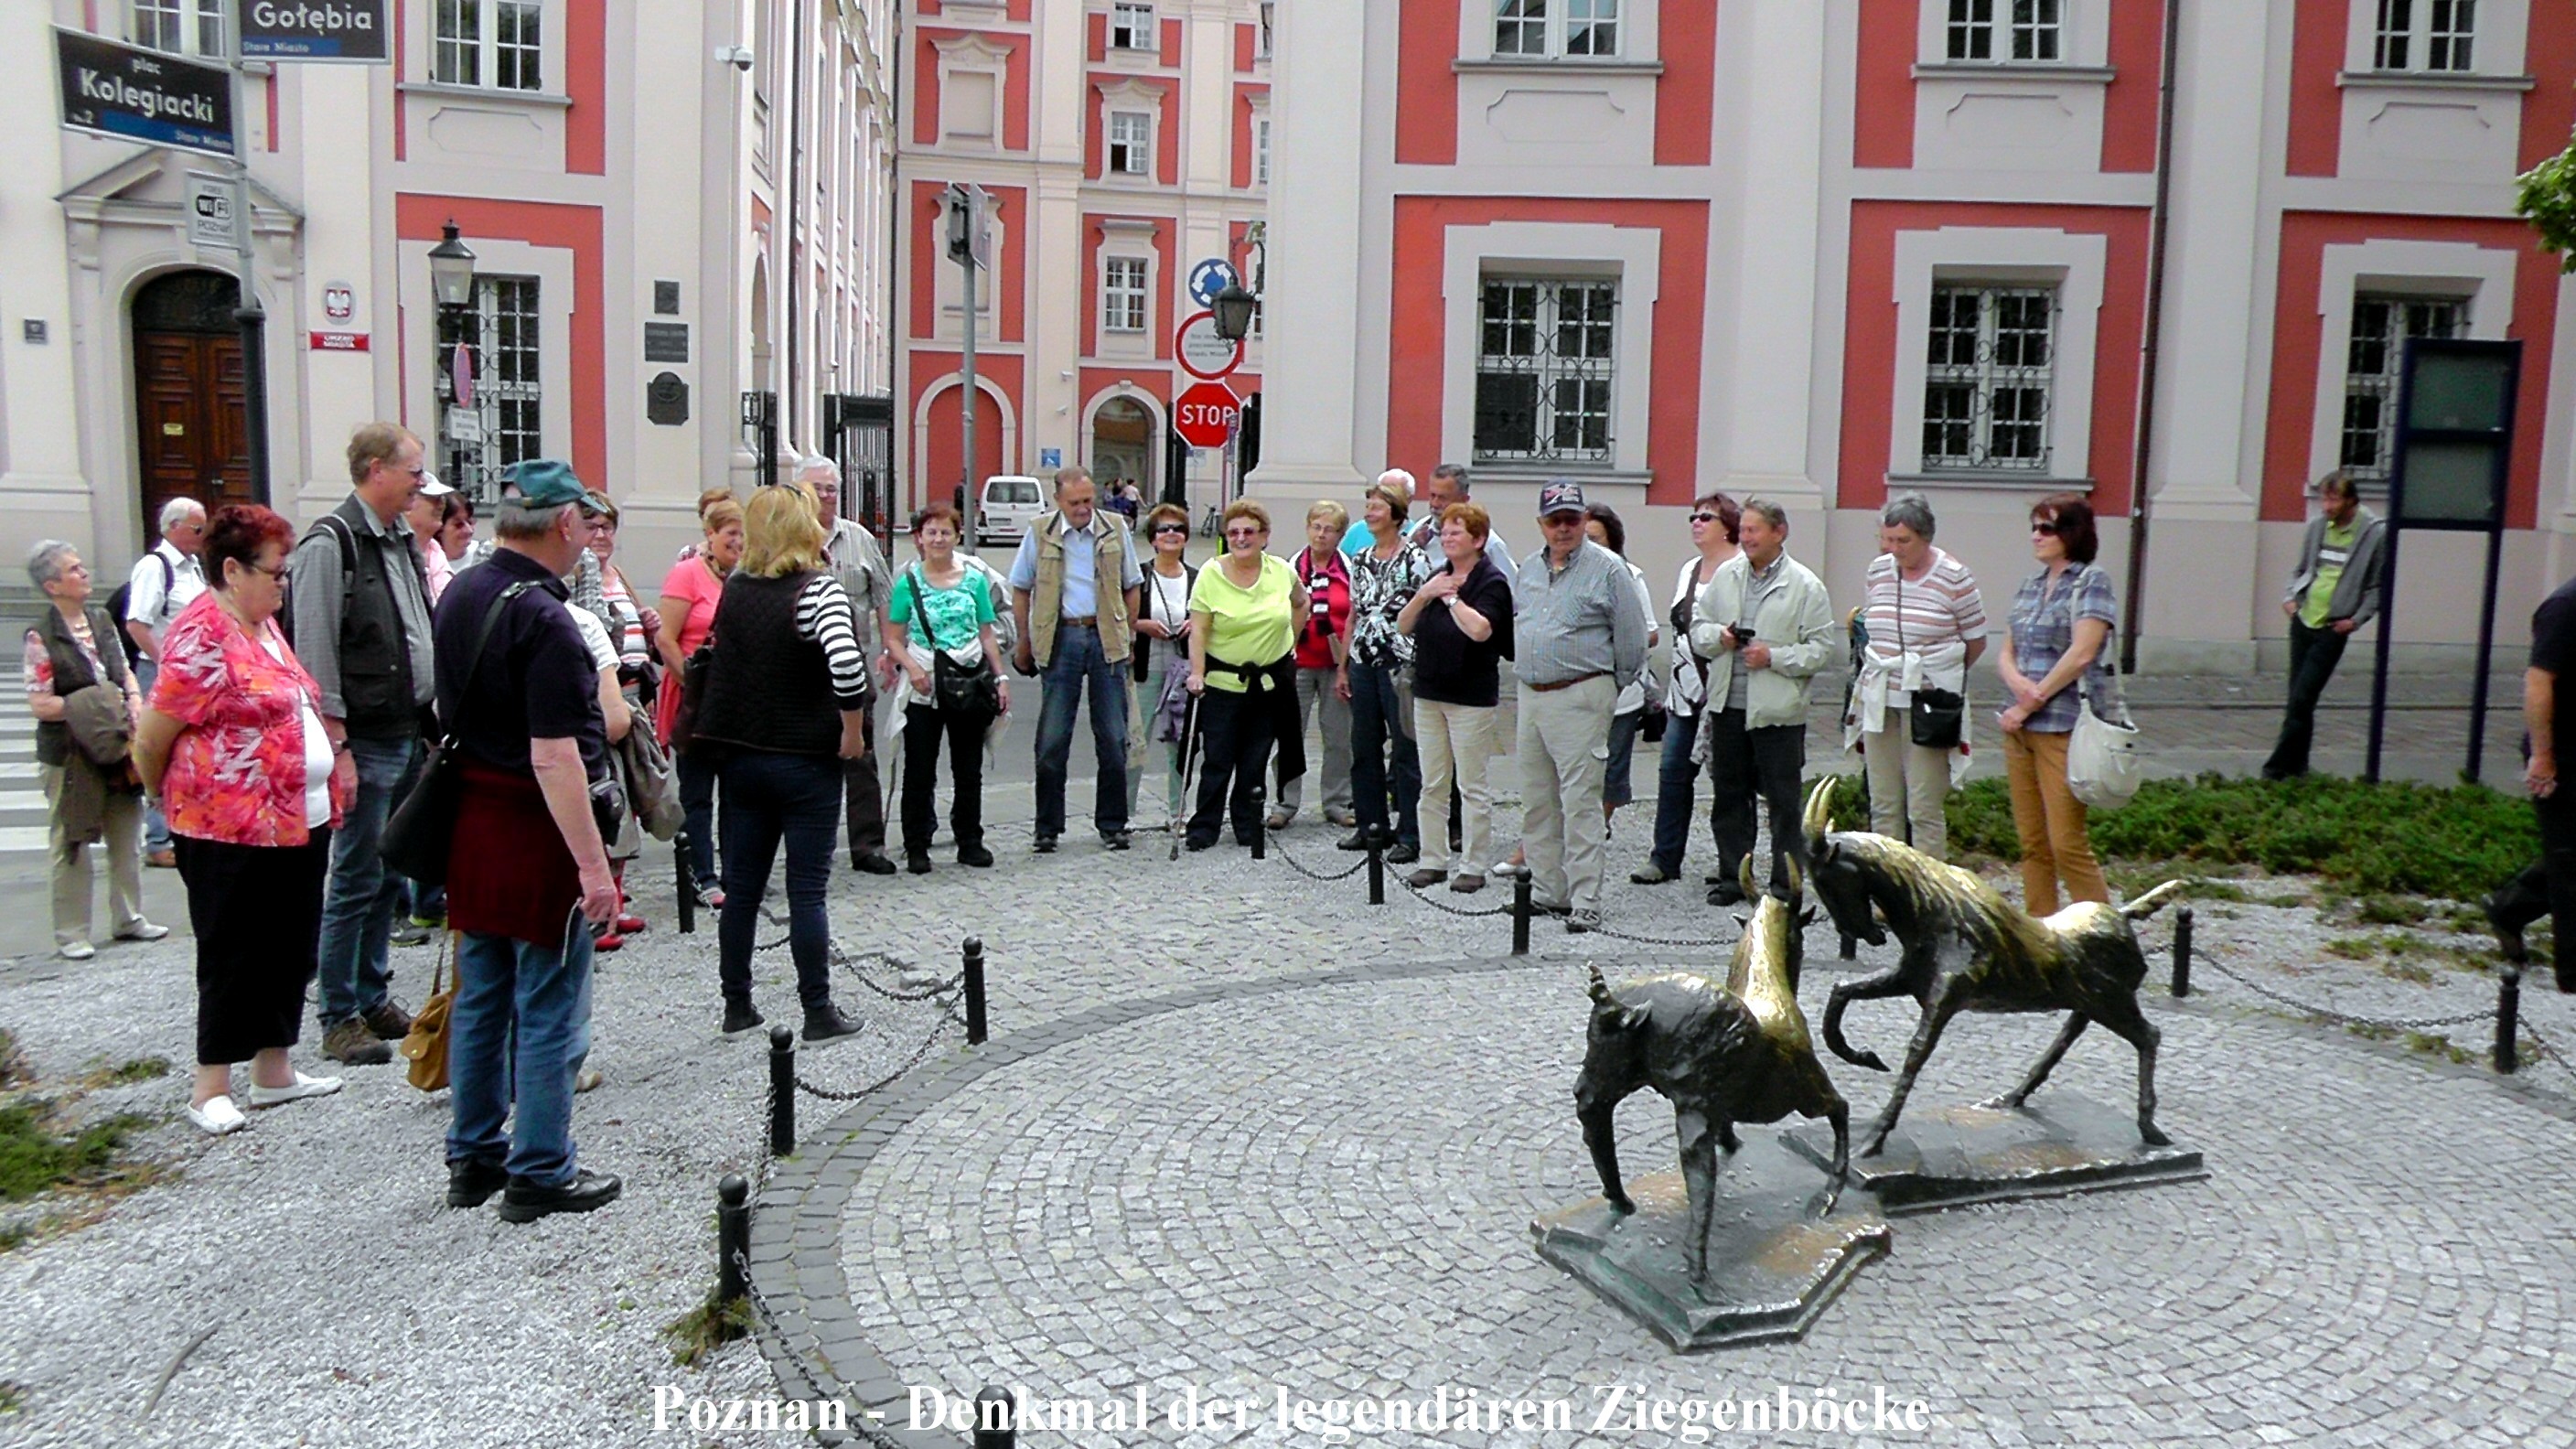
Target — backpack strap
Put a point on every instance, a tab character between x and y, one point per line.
474	659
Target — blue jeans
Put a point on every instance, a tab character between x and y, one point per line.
770	797
1382	754
1676	787
1080	665
697	774
156	830
359	904
517	1033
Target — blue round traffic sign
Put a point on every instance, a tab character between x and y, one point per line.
1209	278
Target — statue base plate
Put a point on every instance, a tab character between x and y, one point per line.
2062	1143
1773	1264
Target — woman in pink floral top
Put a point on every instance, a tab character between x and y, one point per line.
252	786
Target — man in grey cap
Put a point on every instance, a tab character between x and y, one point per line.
1580	637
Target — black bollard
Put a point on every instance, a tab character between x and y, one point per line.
1377	865
975	1023
733	1237
782	1091
993	1427
1520	912
2182	952
688	883
2508	1051
1260	824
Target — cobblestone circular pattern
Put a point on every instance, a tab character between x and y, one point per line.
1326	1186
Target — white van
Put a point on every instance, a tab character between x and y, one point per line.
1011	502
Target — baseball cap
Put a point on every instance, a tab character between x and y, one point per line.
430	487
544	482
1560	497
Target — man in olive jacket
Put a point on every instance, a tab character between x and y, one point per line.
2334	591
1766	627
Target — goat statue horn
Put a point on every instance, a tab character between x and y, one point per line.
1820	812
1600	988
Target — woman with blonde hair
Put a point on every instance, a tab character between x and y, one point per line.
689	597
1323	664
785	703
1245	613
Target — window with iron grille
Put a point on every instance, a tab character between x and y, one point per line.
2424	35
1131	142
2033	30
1556	27
1544	369
2380	327
1131	26
1122	295
496	43
1988	377
508	384
180	27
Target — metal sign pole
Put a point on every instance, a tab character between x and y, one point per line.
247	312
2486	648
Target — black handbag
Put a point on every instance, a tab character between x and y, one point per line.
422	827
966	691
1933	721
693	694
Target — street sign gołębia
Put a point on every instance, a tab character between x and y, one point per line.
130	94
343	30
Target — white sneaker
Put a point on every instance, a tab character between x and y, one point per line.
142	930
76	950
303	1087
218	1116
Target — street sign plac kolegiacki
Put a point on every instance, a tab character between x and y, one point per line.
126	93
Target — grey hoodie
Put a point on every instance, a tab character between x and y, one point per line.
2356	595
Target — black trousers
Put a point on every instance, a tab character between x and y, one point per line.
923	728
1743	763
1234	757
2314	653
865	794
257	914
2547	887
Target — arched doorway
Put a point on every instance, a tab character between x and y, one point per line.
188	396
1122	445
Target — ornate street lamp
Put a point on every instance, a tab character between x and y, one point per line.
451	271
451	282
1234	306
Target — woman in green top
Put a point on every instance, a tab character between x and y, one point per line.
1245	612
940	607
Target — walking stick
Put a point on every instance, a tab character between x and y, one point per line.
1189	758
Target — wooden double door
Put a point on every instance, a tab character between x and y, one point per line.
189	398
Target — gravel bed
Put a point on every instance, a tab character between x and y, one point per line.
349	1307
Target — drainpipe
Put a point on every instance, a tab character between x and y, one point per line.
896	209
794	395
2147	344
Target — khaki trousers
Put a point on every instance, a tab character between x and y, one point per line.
1564	745
1456	743
2050	821
124	833
1907	784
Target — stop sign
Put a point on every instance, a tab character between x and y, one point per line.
1206	414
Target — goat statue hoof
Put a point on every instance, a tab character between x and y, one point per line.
1620	1204
1871	1060
2148	1132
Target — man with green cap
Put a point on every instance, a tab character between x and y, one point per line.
519	695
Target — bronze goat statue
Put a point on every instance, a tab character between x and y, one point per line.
1720	1054
1966	949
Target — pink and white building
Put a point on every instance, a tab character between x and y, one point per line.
1826	251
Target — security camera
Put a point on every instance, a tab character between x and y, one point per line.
737	56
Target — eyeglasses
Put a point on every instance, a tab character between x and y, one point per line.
1243	533
1703	518
2043	526
1163	528
277	574
1562	520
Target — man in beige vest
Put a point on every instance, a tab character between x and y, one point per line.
1075	633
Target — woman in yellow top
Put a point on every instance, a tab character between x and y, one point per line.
1245	613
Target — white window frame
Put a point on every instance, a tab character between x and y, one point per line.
2482	277
1125	293
1130	156
2073	262
2008	32
1261	150
1632	257
198	26
1135	20
1560	29
2424	37
2409	314
484	46
2000	364
972	55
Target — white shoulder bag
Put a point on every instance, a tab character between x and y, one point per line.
2103	763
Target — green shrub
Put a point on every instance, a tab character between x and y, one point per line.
33	1159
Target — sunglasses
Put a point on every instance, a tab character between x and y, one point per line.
1162	528
2040	526
1703	518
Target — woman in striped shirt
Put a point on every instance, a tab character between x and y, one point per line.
1926	624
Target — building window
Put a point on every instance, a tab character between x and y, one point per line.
492	43
1122	295
2424	34
2380	327
1261	150
180	27
1556	28
1543	370
1131	142
508	385
1988	378
1266	18
1131	26
2033	30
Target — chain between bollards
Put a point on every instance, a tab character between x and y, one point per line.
2182	952
2508	1053
782	1091
975	1021
1376	838
733	1237
1520	912
993	1426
